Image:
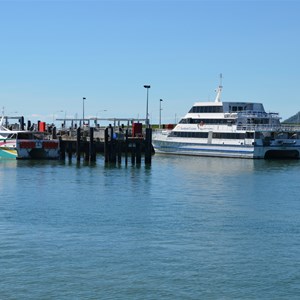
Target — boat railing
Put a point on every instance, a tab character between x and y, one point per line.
267	127
243	127
257	114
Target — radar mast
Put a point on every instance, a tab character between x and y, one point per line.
219	90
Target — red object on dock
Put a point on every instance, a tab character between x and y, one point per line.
137	129
42	126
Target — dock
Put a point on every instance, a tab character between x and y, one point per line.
126	138
83	139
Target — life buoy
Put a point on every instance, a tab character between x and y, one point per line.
200	124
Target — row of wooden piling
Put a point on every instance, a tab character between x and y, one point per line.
116	146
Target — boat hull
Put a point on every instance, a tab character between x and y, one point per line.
8	149
8	153
37	149
232	151
196	149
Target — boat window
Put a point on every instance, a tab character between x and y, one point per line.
249	135
190	134
228	135
206	109
25	135
208	121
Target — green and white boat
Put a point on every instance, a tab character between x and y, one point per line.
8	141
21	144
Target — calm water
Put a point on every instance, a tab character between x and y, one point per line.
184	228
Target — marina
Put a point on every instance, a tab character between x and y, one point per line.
80	218
220	129
130	170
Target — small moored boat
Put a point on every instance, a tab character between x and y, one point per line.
23	144
36	145
7	141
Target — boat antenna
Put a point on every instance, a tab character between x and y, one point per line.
219	90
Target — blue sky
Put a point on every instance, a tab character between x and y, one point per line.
53	53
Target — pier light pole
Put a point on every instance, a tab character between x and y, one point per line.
83	98
160	101
147	116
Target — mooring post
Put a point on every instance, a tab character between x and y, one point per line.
54	135
22	123
86	151
92	152
119	148
133	152
78	144
148	146
126	147
112	148
138	151
106	145
62	153
69	150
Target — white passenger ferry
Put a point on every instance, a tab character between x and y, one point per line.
230	129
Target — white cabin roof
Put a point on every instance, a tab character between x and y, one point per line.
208	104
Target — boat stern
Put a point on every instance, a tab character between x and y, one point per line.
37	149
287	146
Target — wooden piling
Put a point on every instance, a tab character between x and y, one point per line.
133	153
69	150
92	152
126	147
138	151
62	153
86	151
78	144
112	148
22	123
54	135
106	146
148	146
119	149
